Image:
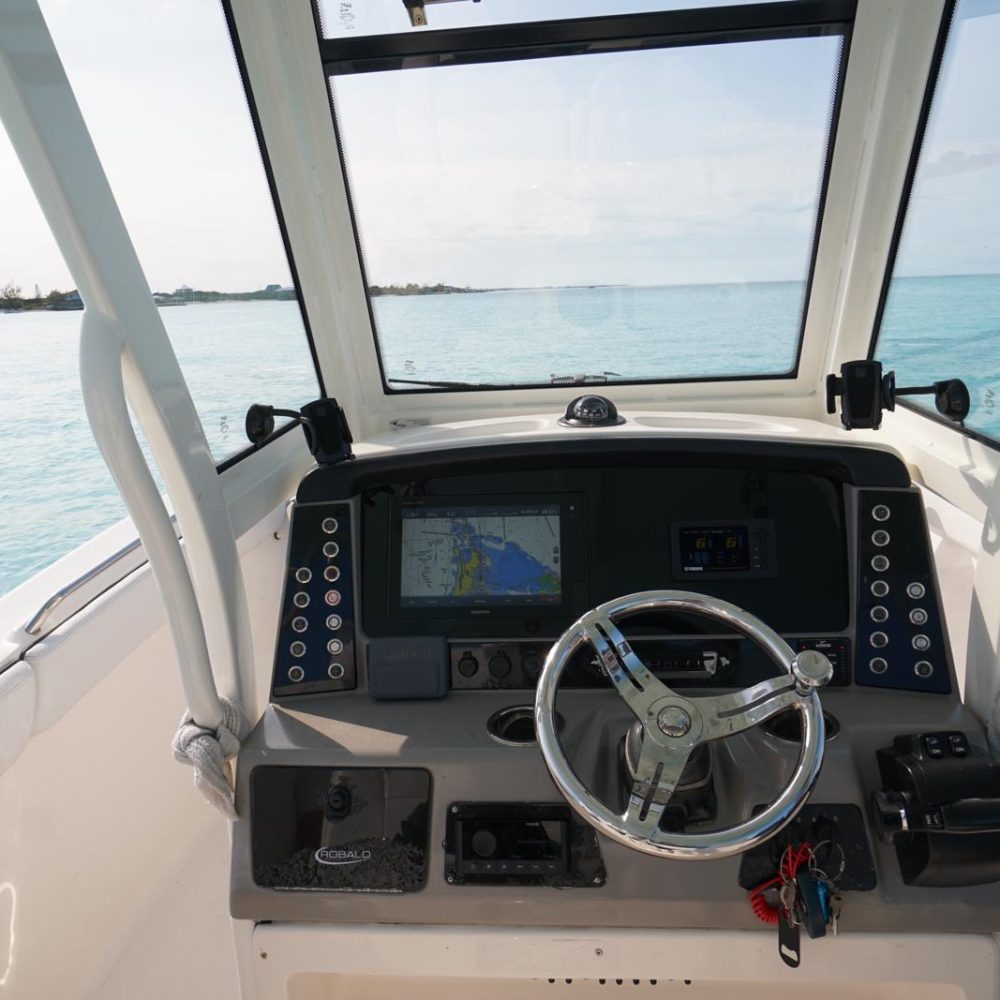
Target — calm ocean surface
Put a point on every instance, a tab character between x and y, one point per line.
55	491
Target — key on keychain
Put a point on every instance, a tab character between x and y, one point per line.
788	926
812	904
836	905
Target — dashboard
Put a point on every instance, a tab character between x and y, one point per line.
487	555
389	779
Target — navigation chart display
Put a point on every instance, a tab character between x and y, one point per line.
480	555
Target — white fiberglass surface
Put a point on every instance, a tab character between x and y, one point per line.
641	215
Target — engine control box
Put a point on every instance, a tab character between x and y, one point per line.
940	808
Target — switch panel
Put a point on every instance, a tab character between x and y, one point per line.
315	650
900	638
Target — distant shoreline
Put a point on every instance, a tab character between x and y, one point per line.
62	301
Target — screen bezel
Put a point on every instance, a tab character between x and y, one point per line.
572	545
760	539
741	531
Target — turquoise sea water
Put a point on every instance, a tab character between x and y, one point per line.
55	491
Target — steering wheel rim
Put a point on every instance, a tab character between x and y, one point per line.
675	725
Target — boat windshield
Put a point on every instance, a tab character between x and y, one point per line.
630	211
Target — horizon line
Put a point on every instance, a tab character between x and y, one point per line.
544	287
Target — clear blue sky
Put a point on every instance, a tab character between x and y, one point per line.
659	167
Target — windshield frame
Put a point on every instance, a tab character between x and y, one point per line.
947	25
346	56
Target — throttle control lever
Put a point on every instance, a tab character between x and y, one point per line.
939	806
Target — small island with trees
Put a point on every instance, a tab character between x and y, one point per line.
12	298
413	289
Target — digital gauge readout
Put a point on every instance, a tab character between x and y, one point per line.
715	549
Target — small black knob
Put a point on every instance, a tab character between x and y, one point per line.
468	665
484	843
500	665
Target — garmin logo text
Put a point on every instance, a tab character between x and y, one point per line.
334	856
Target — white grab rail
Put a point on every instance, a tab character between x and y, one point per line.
126	360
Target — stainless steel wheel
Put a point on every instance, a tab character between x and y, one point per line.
674	725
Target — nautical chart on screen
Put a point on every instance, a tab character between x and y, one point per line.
488	555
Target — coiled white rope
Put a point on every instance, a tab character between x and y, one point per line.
210	753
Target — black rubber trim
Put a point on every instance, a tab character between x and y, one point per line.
860	466
282	228
543	39
968	432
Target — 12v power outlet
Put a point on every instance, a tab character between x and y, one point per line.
338	802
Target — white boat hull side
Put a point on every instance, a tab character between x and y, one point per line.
309	962
107	851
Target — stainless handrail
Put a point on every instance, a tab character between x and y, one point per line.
41	616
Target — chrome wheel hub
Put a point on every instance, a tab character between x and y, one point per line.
674	721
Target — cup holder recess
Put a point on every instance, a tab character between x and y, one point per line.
787	726
515	725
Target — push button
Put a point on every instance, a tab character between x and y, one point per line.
934	746
933	819
916	590
958	745
500	665
923	669
468	665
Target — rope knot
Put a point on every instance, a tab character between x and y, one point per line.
209	753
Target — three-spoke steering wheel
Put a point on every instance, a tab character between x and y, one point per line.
674	725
